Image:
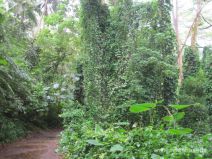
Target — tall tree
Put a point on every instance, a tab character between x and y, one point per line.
196	24
192	32
175	14
167	50
207	59
97	67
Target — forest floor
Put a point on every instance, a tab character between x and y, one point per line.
40	145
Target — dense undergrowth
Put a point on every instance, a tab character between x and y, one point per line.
130	53
91	141
108	73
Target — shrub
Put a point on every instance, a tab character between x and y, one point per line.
72	114
193	89
92	142
10	129
197	118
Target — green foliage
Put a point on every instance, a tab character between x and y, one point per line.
20	102
167	48
97	61
129	57
138	108
1	12
11	129
174	117
56	48
116	148
90	140
179	131
53	19
193	89
3	61
92	69
191	62
143	55
179	107
115	142
73	114
197	118
145	75
207	62
25	98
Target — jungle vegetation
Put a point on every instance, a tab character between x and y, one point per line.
114	74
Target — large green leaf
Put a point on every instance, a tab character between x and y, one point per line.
168	118
174	117
3	61
181	131
155	156
179	107
116	148
207	138
94	142
138	108
179	116
122	123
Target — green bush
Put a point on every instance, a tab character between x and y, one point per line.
193	89
191	62
93	142
72	114
10	129
196	118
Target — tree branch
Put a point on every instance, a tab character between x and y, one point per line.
210	25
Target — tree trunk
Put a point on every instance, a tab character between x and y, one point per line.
179	43
195	26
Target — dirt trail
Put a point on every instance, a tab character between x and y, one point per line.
40	145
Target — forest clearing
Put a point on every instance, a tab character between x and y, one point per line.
105	79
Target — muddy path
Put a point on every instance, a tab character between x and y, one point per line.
41	145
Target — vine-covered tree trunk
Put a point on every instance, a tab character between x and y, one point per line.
191	62
97	67
207	61
168	51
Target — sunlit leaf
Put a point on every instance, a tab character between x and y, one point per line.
116	148
179	116
168	118
94	142
122	123
138	108
179	107
207	138
3	61
182	131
